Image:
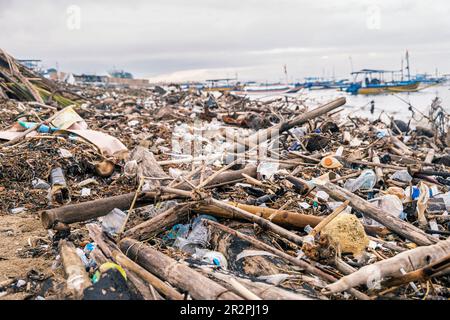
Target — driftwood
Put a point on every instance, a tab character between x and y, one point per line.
158	284
158	224
435	269
242	256
77	278
93	209
398	226
263	223
146	290
274	131
113	253
97	208
297	262
285	218
260	289
410	260
176	273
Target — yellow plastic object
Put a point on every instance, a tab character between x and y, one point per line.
330	163
347	233
110	265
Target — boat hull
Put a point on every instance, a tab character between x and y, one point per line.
410	87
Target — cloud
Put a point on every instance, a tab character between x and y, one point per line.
257	37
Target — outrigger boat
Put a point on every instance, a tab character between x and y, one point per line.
374	83
222	85
266	89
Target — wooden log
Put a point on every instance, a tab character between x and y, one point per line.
91	209
112	252
243	257
77	277
274	131
145	289
394	224
262	290
236	286
176	273
224	177
151	228
430	156
97	208
285	218
262	222
157	283
408	261
435	269
297	262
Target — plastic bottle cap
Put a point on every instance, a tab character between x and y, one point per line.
328	161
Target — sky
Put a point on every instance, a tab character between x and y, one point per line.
179	40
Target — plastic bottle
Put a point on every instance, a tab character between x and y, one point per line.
366	181
330	162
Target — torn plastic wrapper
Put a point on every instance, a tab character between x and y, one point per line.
107	145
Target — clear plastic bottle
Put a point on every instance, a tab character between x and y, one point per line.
366	181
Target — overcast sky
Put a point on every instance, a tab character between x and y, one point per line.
198	39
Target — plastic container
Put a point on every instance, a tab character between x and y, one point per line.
330	162
215	258
415	193
391	204
365	181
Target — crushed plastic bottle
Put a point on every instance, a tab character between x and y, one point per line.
365	181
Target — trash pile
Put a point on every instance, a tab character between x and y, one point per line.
167	194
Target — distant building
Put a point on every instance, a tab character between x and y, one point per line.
120	74
90	79
127	83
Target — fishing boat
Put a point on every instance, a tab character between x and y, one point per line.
222	85
375	83
266	89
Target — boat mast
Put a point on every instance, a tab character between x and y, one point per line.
407	65
402	67
286	74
